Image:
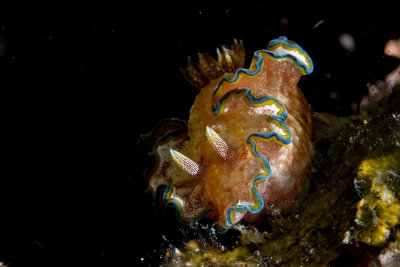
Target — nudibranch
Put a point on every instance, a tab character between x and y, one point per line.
247	144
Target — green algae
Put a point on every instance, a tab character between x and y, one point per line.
379	210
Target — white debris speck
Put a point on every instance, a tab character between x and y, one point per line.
347	42
346	239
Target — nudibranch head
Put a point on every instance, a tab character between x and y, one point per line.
248	139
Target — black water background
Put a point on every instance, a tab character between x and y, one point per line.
81	83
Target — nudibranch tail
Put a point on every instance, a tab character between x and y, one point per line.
208	66
279	49
209	69
256	146
197	78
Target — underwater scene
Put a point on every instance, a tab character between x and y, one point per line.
253	134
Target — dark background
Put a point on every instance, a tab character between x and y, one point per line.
80	84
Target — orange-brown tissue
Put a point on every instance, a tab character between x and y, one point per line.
248	139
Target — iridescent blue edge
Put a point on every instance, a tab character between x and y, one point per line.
279	118
285	41
177	209
258	56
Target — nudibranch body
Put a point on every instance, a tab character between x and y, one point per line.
248	139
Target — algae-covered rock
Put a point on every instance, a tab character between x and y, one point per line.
379	210
351	202
196	254
390	256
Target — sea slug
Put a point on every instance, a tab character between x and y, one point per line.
247	144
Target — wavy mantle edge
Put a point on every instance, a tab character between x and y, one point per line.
278	119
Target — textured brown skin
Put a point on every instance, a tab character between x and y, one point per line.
225	181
